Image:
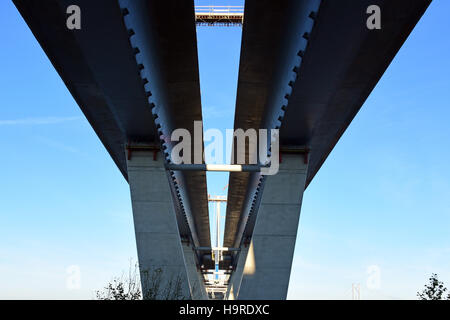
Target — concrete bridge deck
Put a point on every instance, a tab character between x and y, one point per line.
306	68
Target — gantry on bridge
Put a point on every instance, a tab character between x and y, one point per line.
306	68
219	15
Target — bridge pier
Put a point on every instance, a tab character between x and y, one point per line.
196	283
157	235
236	276
268	263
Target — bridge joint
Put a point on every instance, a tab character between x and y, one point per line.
142	147
296	150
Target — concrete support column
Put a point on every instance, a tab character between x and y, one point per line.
158	241
196	283
268	264
236	276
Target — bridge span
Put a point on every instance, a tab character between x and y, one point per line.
306	68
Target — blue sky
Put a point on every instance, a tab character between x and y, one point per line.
381	199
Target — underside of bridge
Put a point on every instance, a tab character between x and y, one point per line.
306	68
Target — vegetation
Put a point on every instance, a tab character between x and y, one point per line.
434	290
128	286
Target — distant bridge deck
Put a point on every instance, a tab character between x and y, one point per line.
219	15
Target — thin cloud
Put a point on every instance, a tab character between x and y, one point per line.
213	112
37	121
56	144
